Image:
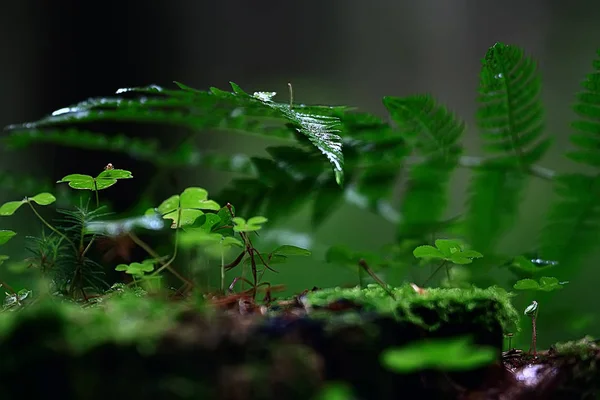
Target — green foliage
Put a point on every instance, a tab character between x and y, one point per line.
6	235
456	354
184	209
137	269
105	179
449	250
43	199
545	284
433	132
510	122
253	224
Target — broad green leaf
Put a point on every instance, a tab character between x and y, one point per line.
79	181
289	250
471	254
43	199
427	251
198	237
458	258
10	207
257	220
526	284
138	269
194	197
456	354
104	180
170	204
6	235
448	247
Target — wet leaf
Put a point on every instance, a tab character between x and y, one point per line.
6	235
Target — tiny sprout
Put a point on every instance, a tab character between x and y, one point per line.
532	311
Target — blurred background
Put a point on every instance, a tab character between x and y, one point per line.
54	54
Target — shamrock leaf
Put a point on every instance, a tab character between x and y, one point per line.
6	235
449	250
43	199
184	209
105	179
137	269
546	284
253	224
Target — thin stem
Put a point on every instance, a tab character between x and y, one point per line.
291	95
381	283
222	269
97	198
434	272
53	229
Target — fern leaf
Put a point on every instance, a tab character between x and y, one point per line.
510	115
574	221
203	110
510	122
587	107
433	132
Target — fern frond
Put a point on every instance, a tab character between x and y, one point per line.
433	132
574	221
510	121
208	110
587	107
510	115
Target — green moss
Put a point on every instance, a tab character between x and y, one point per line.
124	318
494	302
582	348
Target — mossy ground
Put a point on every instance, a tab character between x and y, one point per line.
131	344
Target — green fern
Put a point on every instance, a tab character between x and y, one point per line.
587	136
433	132
510	121
574	219
198	110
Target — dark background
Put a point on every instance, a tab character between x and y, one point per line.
353	52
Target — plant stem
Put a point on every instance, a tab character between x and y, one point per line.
222	269
434	272
53	229
381	283
97	198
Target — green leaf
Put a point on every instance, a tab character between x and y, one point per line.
137	269
526	284
289	250
10	207
434	132
448	247
195	197
427	251
586	138
510	115
186	208
3	258
456	354
510	120
253	224
459	258
43	199
6	235
105	179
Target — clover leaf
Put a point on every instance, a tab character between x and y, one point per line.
43	199
105	179
137	269
253	224
448	250
546	284
6	235
184	209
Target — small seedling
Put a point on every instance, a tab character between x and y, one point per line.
532	311
105	179
449	251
